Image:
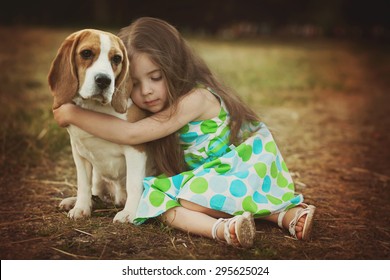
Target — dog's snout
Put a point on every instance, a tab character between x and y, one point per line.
102	81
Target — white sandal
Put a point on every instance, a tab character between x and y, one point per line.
243	227
305	210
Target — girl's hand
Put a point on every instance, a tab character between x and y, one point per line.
63	113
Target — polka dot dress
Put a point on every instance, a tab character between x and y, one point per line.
250	177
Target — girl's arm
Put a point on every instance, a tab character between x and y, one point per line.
119	131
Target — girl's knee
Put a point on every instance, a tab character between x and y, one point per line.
169	216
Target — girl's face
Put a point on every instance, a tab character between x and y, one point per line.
149	87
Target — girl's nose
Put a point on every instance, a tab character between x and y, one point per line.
146	89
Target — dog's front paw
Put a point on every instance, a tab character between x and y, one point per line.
79	213
67	203
124	216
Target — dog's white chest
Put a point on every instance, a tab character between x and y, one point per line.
107	157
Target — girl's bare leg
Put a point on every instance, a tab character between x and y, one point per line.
196	219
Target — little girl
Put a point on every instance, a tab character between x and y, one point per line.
220	166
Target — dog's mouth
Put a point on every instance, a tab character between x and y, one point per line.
100	98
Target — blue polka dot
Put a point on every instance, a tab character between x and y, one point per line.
266	184
177	180
264	132
189	137
202	138
296	199
254	181
229	154
217	201
146	189
143	210
203	172
218	184
238	188
242	174
259	198
278	165
229	206
199	199
266	158
257	146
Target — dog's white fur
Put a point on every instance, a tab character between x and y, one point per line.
98	161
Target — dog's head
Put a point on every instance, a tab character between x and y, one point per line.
92	65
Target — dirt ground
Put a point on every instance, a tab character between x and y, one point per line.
336	144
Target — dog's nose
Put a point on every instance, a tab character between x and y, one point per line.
102	81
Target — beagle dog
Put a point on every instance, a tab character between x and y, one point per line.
91	69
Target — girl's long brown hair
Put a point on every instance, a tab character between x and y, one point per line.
182	70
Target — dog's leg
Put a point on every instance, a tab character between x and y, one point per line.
135	167
83	204
98	184
120	193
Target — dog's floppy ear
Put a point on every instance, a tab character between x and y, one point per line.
63	81
123	84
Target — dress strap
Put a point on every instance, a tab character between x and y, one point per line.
200	85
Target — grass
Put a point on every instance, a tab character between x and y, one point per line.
275	73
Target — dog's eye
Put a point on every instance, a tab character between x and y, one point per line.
86	54
116	59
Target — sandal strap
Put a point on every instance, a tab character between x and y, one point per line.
226	231
215	228
243	228
280	218
301	212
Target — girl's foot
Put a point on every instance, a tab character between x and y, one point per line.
298	220
237	231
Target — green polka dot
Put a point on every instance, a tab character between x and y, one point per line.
185	146
261	169
163	184
156	198
262	213
184	129
213	163
223	168
291	186
288	196
199	185
246	135
284	166
171	203
249	205
274	200
274	170
281	181
244	152
271	147
208	126
193	158
188	175
222	115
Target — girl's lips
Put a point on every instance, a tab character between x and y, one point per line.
152	102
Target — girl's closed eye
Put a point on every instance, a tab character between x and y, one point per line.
157	78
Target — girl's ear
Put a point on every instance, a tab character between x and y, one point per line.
123	84
63	81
